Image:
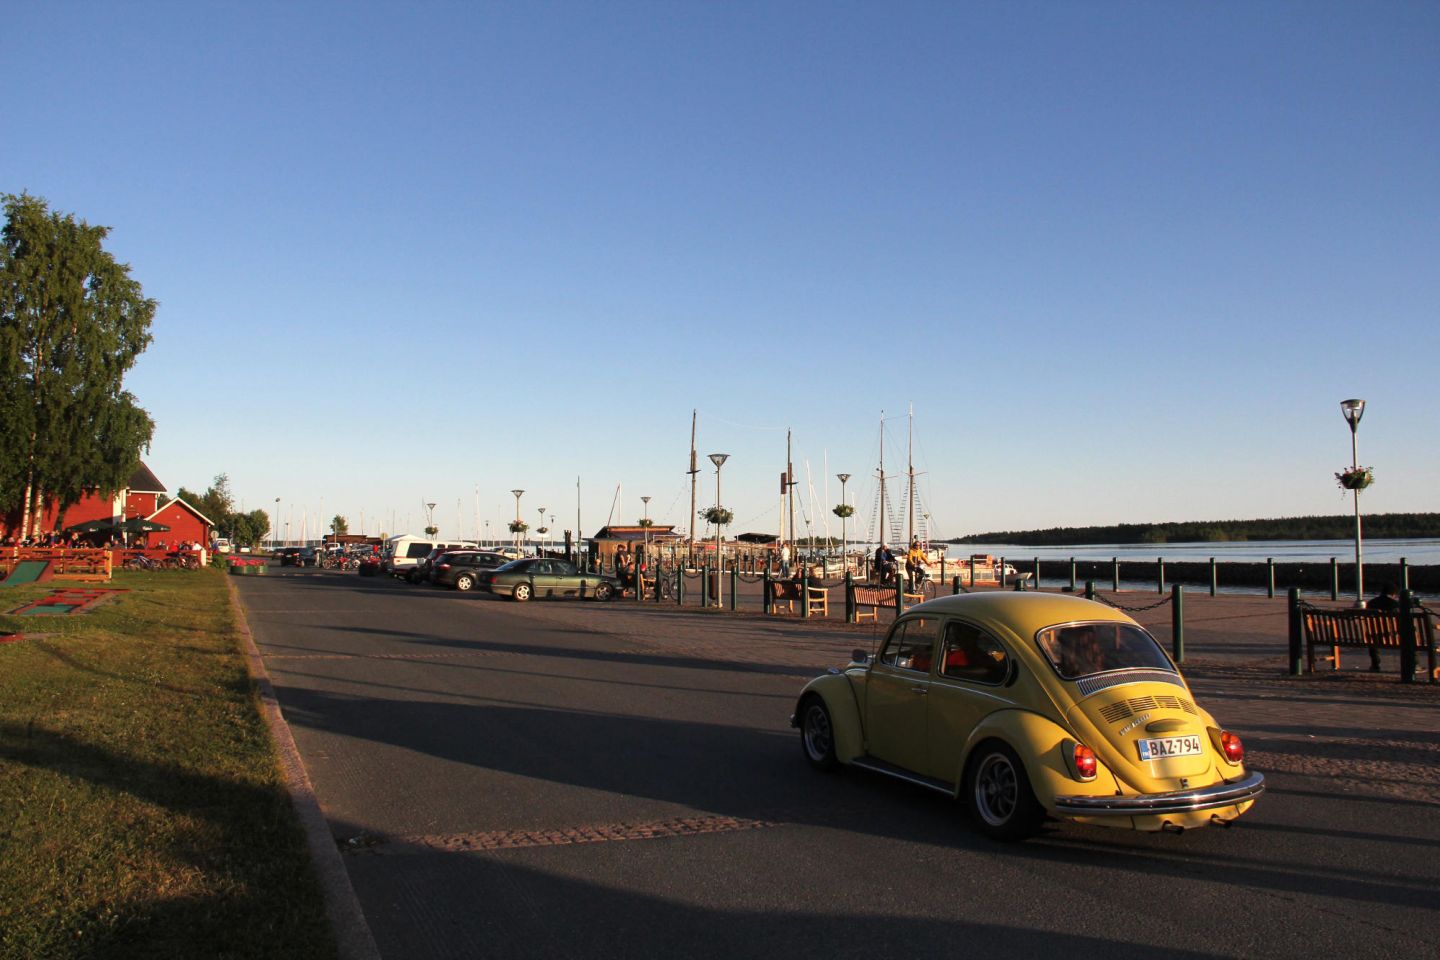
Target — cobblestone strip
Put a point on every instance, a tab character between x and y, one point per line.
383	656
519	839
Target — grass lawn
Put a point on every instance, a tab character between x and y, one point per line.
142	810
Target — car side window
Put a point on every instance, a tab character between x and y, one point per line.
911	644
972	654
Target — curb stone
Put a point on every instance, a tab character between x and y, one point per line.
353	939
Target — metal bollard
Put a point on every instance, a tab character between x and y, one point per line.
1407	637
1213	577
955	585
1177	622
1072	574
1002	573
734	593
805	596
1160	565
1334	579
849	598
767	593
1270	577
1297	664
1404	574
1037	573
705	586
1089	589
1115	572
899	593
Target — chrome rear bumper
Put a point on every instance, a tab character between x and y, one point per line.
1225	794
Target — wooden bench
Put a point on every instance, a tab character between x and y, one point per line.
789	592
869	600
1364	628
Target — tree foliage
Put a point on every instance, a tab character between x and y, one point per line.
248	529
339	525
72	324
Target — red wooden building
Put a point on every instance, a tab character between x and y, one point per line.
143	497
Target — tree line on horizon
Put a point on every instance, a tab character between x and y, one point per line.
1397	526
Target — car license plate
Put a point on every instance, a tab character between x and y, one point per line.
1165	747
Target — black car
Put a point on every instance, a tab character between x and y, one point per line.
458	568
297	557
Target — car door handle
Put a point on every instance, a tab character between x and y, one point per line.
920	690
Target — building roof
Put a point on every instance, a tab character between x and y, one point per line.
170	503
143	481
637	532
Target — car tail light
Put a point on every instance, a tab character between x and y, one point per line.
1085	763
1234	750
444	566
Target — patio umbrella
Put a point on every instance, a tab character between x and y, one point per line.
141	525
91	526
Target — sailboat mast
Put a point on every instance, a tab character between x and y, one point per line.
694	471
790	484
882	476
910	487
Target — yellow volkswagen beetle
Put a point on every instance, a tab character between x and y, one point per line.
1027	705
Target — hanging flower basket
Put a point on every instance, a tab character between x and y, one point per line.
1357	479
518	526
431	531
542	530
718	516
844	510
645	521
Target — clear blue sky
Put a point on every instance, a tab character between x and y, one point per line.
1125	259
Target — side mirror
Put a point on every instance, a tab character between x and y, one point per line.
859	656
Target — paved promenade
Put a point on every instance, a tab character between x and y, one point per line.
613	780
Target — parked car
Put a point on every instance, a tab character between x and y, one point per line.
420	572
459	568
404	552
281	553
541	577
1027	705
298	557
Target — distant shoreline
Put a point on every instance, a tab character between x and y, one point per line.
1387	526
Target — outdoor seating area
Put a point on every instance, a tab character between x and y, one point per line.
868	600
1326	631
813	601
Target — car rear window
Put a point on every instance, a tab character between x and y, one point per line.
1080	649
418	550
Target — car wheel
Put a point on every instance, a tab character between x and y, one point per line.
817	734
464	582
603	592
522	592
1000	796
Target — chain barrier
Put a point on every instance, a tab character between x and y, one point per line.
1120	606
750	577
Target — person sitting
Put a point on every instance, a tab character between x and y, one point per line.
1386	601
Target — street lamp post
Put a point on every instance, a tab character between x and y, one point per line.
719	460
487	534
430	519
1353	411
646	525
518	494
844	545
275	526
538	527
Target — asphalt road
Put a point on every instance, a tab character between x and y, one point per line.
567	779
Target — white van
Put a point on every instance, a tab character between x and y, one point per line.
406	550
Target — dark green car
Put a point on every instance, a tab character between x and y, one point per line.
540	577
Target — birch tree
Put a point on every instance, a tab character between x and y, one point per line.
72	324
